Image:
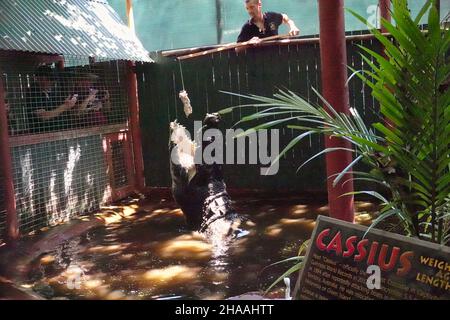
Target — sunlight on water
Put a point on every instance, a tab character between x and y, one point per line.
152	255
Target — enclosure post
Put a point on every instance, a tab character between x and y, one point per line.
135	127
333	54
134	112
385	13
12	226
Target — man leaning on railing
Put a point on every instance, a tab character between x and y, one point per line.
262	25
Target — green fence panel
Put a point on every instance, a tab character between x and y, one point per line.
257	71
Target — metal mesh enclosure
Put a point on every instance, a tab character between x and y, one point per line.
2	207
57	180
46	98
62	113
117	149
118	158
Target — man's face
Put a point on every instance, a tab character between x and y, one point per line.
253	8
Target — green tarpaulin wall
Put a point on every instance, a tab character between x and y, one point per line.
162	25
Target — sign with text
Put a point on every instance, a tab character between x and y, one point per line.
343	262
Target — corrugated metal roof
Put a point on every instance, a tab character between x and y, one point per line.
69	27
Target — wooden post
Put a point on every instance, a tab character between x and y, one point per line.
12	225
333	55
133	101
385	13
135	127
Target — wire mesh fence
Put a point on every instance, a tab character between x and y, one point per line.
119	164
59	109
47	98
2	207
55	181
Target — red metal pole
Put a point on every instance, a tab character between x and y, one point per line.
12	226
134	112
135	128
333	55
385	13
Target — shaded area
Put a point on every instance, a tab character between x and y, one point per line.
58	180
150	255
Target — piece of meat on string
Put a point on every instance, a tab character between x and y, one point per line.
183	95
187	108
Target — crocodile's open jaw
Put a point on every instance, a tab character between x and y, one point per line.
185	148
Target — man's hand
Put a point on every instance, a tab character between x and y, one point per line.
92	94
294	31
70	102
254	41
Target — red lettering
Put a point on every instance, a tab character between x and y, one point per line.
372	253
392	260
350	246
319	241
405	262
362	252
335	244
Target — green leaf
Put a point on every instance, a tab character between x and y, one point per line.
379	219
263	126
291	259
422	12
291	144
291	270
345	171
321	153
370	193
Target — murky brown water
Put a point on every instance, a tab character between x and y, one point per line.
152	256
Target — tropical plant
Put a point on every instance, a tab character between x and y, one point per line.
407	151
296	261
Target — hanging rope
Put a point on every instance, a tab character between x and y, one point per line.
181	73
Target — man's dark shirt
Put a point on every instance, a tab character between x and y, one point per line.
37	99
272	21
